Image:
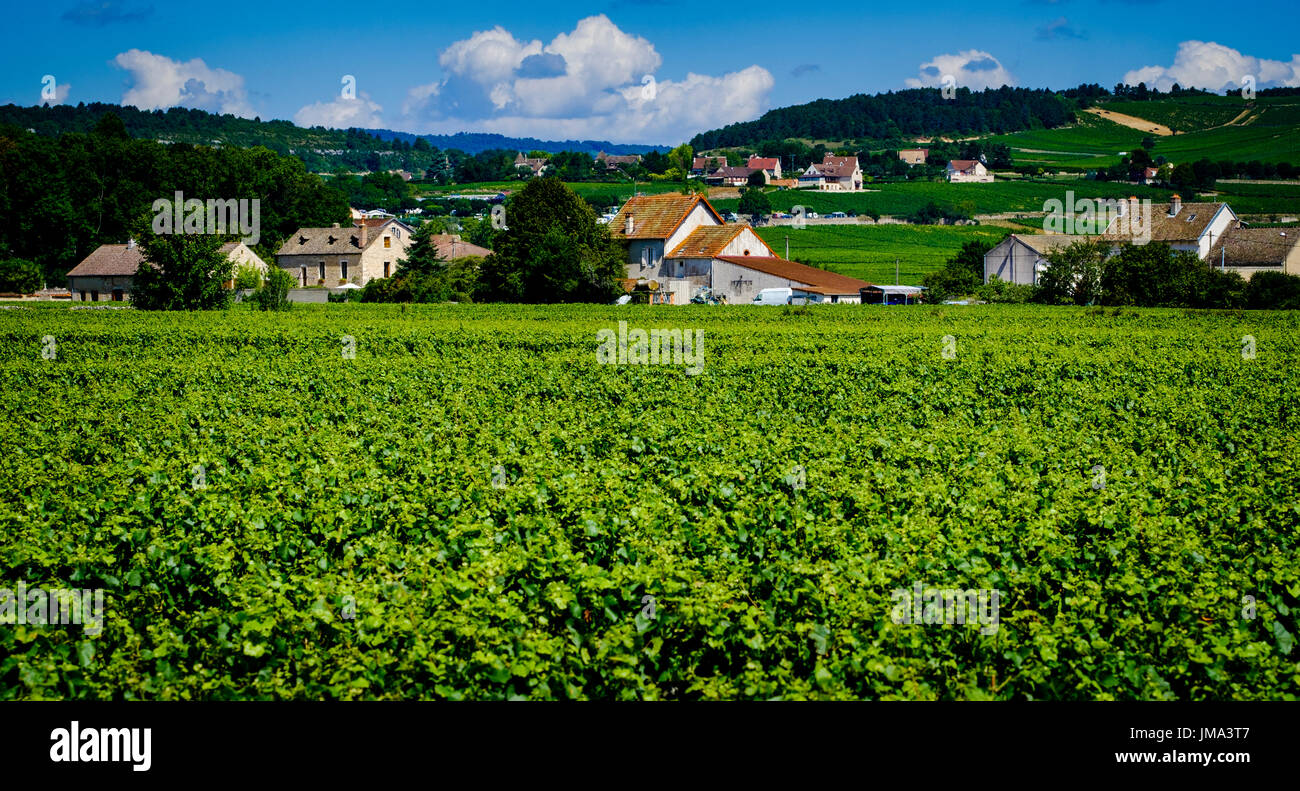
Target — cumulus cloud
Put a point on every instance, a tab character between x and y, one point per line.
974	69
342	113
158	82
594	81
1214	67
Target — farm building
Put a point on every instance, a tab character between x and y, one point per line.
108	273
1250	250
733	176
334	256
703	165
914	156
891	295
1021	258
769	165
1211	231
682	242
968	171
833	174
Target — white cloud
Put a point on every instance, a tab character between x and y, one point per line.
973	69
158	82
342	113
587	83
1214	67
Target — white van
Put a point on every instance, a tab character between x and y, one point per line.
774	296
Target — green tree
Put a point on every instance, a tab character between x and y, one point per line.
19	275
552	250
961	275
181	272
273	294
1073	274
755	203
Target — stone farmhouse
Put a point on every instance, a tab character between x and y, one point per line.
833	174
107	274
682	242
914	156
537	165
968	171
1211	231
771	166
334	256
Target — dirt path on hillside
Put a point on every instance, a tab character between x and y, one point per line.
1131	121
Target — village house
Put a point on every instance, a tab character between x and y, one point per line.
769	165
107	273
1022	258
616	161
833	174
969	171
452	248
1210	231
537	165
701	166
914	156
737	176
682	243
334	256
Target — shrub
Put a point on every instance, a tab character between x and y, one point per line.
274	292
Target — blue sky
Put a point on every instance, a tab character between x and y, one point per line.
655	71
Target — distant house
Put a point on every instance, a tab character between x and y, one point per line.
1022	258
701	166
406	175
914	156
971	171
1250	250
333	256
1210	231
1149	176
107	273
376	213
769	165
616	161
537	165
733	176
1191	227
833	174
682	243
452	247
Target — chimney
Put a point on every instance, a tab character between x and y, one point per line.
1175	206
365	234
631	225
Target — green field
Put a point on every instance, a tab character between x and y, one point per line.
1270	134
471	506
900	199
868	251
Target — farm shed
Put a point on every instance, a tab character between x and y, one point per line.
891	295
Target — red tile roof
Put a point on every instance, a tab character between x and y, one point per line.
707	241
816	280
656	216
763	163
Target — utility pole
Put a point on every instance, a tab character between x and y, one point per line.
787	247
895	271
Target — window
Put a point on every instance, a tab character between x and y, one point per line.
117	295
645	257
386	265
343	269
94	296
388	242
322	270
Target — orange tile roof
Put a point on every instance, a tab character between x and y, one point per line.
656	216
817	280
706	241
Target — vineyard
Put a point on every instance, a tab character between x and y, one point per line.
461	502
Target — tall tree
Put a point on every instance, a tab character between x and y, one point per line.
552	250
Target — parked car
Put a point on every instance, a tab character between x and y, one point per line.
838	215
785	216
774	296
731	217
812	215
